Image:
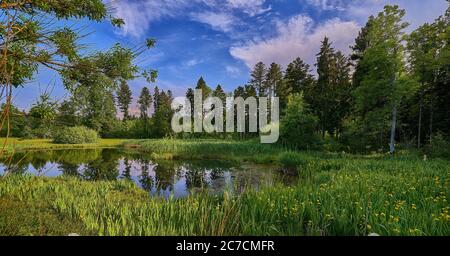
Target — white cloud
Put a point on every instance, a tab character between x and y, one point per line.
233	71
417	11
138	15
298	37
251	7
327	5
193	62
218	21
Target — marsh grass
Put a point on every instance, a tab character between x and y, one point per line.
15	145
208	149
335	195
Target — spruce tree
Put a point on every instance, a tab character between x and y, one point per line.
124	98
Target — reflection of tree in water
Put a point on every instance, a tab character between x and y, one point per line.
68	169
103	168
164	175
17	163
195	176
205	174
147	181
16	168
126	174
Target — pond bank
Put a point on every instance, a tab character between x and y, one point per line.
19	145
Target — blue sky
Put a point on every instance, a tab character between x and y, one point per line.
221	39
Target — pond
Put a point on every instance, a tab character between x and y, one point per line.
160	178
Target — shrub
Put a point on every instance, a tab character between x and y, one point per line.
292	161
439	146
298	127
75	135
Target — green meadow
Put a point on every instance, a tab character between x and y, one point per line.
336	194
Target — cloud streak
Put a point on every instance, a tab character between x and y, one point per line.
298	37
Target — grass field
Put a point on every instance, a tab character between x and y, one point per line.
16	145
337	194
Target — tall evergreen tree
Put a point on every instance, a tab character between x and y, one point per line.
324	91
163	115
156	98
219	93
298	77
206	90
343	99
273	82
258	75
124	98
145	101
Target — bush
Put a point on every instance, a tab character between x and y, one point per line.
298	127
75	135
439	147
291	160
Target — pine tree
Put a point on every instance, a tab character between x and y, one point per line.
273	82
258	76
124	98
206	90
163	115
324	92
219	93
298	77
156	98
343	100
190	97
145	101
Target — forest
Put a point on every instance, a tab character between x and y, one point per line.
392	90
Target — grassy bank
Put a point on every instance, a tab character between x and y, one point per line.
19	145
251	151
336	195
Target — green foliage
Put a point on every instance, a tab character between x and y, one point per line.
75	135
29	40
273	83
291	159
145	101
298	127
439	146
124	98
258	75
201	85
384	85
43	114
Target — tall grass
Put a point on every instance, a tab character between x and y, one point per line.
208	149
19	145
335	196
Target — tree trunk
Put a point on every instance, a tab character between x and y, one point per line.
419	129
393	126
431	118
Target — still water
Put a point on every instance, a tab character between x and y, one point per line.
160	178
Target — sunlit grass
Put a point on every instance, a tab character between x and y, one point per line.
16	145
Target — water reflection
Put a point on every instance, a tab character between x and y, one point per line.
160	178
